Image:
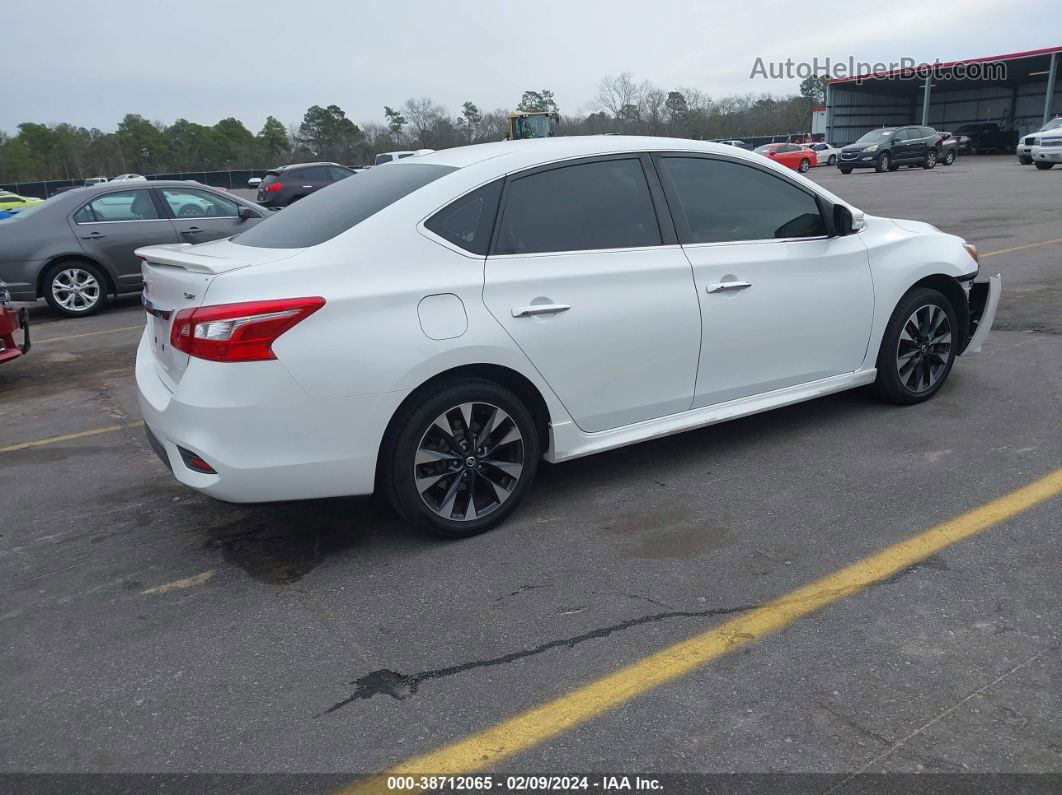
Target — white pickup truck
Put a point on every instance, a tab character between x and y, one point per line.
1027	142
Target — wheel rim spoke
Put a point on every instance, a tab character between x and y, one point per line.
923	349
469	461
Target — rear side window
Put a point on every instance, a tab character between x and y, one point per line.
578	208
325	214
724	201
469	221
127	205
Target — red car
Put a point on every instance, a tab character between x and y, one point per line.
11	320
795	156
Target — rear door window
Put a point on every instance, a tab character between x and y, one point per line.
581	207
126	205
723	201
321	216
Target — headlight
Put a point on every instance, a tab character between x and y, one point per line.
871	148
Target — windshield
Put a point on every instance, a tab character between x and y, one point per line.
335	209
875	135
1054	124
531	127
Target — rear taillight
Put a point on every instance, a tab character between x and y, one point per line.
273	187
238	332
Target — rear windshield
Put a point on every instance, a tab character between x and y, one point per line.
335	209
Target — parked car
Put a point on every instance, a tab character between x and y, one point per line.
13	202
985	137
286	184
1025	145
1048	150
825	154
129	178
12	321
735	142
77	248
795	156
888	148
99	180
435	327
947	148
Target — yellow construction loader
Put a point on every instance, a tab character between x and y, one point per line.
533	124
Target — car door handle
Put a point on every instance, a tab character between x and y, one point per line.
539	309
307	186
93	236
718	287
192	230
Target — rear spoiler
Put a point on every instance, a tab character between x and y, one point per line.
180	255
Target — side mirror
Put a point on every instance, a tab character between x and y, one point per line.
245	213
254	182
845	221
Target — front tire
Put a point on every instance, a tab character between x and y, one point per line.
1043	166
460	459
1025	160
918	348
832	160
846	171
884	163
75	288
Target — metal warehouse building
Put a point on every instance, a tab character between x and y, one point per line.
1017	90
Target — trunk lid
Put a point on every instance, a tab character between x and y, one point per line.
176	277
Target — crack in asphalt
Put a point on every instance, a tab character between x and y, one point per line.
401	686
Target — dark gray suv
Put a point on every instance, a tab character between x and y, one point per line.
282	186
76	248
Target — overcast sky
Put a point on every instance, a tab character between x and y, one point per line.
91	63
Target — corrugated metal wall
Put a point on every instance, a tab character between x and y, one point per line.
854	110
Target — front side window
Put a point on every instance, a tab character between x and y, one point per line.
469	221
724	201
126	205
323	215
579	208
190	203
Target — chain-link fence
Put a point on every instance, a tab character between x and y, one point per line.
218	179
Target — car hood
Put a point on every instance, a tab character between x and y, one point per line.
914	226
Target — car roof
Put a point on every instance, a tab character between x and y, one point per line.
514	155
316	163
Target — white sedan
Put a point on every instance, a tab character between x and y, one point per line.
434	328
825	154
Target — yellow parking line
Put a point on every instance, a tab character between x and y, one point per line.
68	436
187	582
538	724
1022	248
87	334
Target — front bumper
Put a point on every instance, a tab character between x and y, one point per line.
1047	154
984	298
264	436
861	160
11	320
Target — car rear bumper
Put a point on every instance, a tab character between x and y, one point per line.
266	439
21	278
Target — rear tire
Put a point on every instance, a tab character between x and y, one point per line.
805	164
918	348
949	157
1044	166
832	161
75	288
460	459
930	161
